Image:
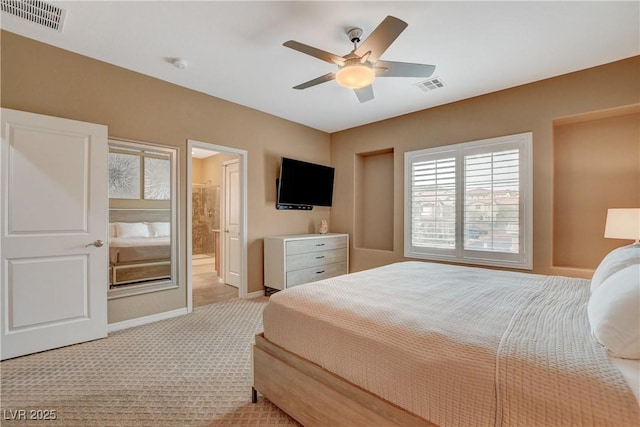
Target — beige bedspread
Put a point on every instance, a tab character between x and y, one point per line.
459	346
129	250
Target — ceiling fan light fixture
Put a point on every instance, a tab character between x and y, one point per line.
355	76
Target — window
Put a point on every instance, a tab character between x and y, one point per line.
471	202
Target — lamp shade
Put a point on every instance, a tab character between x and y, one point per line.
623	224
355	76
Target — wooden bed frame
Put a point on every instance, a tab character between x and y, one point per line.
133	272
129	273
316	397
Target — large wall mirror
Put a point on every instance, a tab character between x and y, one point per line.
142	218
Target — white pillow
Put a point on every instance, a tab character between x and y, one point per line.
112	230
131	229
614	313
614	261
159	229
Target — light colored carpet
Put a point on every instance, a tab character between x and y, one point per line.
194	370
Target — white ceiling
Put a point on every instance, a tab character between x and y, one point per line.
201	153
235	51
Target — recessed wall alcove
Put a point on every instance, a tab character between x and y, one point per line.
596	167
373	222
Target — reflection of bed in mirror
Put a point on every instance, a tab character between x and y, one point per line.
139	246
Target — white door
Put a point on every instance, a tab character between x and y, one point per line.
53	201
232	224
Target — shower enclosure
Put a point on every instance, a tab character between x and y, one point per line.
205	219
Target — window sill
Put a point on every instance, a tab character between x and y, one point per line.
475	261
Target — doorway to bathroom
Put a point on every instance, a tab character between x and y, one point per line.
208	286
215	224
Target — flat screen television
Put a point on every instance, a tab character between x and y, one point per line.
303	185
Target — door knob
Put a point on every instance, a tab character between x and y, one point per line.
97	244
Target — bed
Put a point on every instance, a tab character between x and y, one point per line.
139	252
425	344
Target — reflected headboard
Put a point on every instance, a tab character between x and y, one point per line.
139	215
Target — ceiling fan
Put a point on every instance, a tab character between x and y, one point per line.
362	65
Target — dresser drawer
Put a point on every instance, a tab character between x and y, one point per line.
307	275
302	258
313	245
312	259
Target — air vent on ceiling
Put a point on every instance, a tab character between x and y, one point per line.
36	11
431	84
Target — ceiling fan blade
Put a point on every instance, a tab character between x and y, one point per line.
315	52
364	94
381	38
316	81
403	69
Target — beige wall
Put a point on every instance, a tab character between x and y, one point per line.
209	168
46	80
596	166
373	190
42	79
212	167
532	107
197	176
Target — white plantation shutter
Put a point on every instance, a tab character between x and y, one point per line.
491	201
471	202
434	202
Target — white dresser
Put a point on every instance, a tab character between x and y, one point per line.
303	258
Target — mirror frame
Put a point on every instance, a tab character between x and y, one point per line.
158	284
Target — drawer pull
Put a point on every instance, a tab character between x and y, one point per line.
321	271
320	257
320	244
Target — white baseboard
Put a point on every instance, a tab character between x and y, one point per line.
125	324
255	294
